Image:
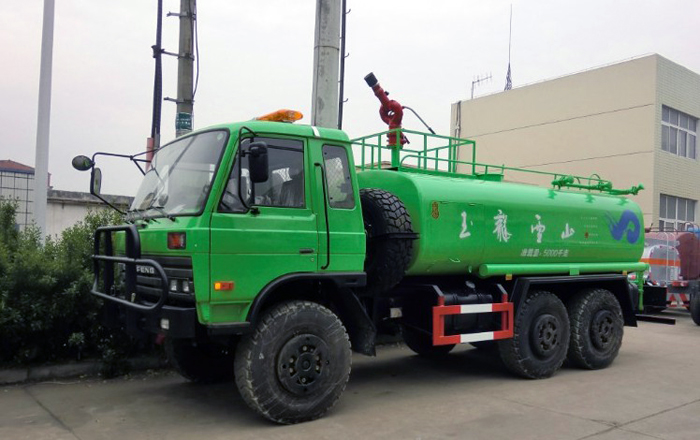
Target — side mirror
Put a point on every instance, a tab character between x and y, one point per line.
258	162
82	163
95	181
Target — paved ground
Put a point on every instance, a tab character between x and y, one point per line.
651	391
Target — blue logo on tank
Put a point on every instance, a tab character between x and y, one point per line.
627	225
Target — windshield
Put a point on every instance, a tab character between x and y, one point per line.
180	176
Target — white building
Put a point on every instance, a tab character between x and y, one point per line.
63	208
631	122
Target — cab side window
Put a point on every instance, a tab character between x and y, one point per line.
339	188
285	186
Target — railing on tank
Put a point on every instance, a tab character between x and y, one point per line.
438	155
376	154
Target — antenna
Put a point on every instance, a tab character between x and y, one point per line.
480	79
509	79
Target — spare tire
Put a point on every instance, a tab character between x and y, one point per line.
389	239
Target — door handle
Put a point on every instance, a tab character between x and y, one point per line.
306	251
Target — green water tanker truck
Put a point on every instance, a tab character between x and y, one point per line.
264	254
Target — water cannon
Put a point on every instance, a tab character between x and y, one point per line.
390	111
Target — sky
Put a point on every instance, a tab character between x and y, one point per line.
256	56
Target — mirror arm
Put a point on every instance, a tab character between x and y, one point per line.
107	203
125	156
136	162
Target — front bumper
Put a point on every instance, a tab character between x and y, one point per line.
125	304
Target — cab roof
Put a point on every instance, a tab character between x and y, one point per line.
283	128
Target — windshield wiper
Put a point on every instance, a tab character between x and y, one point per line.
137	214
162	210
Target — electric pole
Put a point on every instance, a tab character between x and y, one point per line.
41	165
185	65
324	101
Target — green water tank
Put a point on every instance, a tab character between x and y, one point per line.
468	225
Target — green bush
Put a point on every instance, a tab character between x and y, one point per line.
46	310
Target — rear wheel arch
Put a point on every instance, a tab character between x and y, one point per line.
565	287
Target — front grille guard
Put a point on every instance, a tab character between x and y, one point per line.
130	261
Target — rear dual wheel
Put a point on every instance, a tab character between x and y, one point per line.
541	337
695	307
596	329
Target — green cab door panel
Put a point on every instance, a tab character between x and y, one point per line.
273	232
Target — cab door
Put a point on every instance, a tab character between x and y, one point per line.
341	231
270	233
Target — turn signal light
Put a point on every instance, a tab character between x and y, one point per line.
223	285
177	240
283	115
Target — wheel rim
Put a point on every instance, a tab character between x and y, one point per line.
302	364
603	329
545	336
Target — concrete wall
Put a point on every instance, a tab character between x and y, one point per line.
65	208
62	215
605	121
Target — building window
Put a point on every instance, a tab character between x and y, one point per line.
18	187
678	133
676	213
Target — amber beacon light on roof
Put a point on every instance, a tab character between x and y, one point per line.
283	115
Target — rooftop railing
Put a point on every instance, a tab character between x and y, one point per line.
440	155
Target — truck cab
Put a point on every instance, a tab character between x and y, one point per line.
220	237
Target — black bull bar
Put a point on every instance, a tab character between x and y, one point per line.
130	261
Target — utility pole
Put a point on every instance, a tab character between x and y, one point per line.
185	64
324	102
341	99
41	165
153	142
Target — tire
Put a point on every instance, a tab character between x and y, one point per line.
541	337
695	308
200	363
597	328
297	334
386	258
422	345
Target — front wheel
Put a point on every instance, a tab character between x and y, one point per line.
295	365
540	338
596	329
